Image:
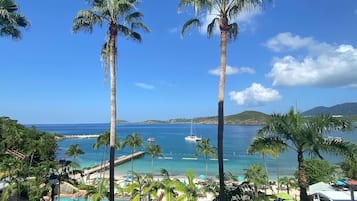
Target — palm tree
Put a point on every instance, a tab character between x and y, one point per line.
290	182
155	151
11	20
120	18
168	187
99	192
189	191
205	149
140	186
255	175
74	151
104	139
225	12
349	163
304	136
262	147
134	140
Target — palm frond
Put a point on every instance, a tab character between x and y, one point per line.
85	20
191	22
233	31
139	25
212	26
198	5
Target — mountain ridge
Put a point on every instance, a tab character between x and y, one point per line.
348	110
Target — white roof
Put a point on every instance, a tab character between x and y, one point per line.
321	186
337	195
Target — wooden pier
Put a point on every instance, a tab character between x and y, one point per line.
118	161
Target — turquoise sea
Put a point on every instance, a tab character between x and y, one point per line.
171	138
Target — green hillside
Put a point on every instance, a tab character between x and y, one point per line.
244	118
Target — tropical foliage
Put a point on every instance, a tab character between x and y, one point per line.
255	175
104	140
288	183
38	151
317	170
120	17
349	163
224	15
304	135
10	20
205	149
99	192
154	150
133	141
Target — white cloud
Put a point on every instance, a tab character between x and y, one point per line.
144	85
324	64
243	19
233	70
286	41
255	95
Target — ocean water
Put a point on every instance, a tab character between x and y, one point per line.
171	138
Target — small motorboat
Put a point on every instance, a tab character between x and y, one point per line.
151	139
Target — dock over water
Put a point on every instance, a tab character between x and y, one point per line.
118	161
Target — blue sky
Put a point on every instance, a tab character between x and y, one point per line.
290	53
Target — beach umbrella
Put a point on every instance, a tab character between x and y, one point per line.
339	183
240	178
202	176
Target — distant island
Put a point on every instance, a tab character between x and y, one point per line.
346	110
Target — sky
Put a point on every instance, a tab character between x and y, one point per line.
295	53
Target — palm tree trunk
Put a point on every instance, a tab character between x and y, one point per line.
206	167
222	80
103	162
113	107
152	166
302	178
132	165
266	170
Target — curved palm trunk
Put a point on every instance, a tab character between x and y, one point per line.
222	79
113	107
302	179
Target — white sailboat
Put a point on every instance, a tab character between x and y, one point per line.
192	137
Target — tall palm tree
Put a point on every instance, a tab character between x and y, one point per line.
11	20
304	135
225	12
155	151
133	141
205	149
120	18
256	175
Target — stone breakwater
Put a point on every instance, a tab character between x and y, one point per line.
76	136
